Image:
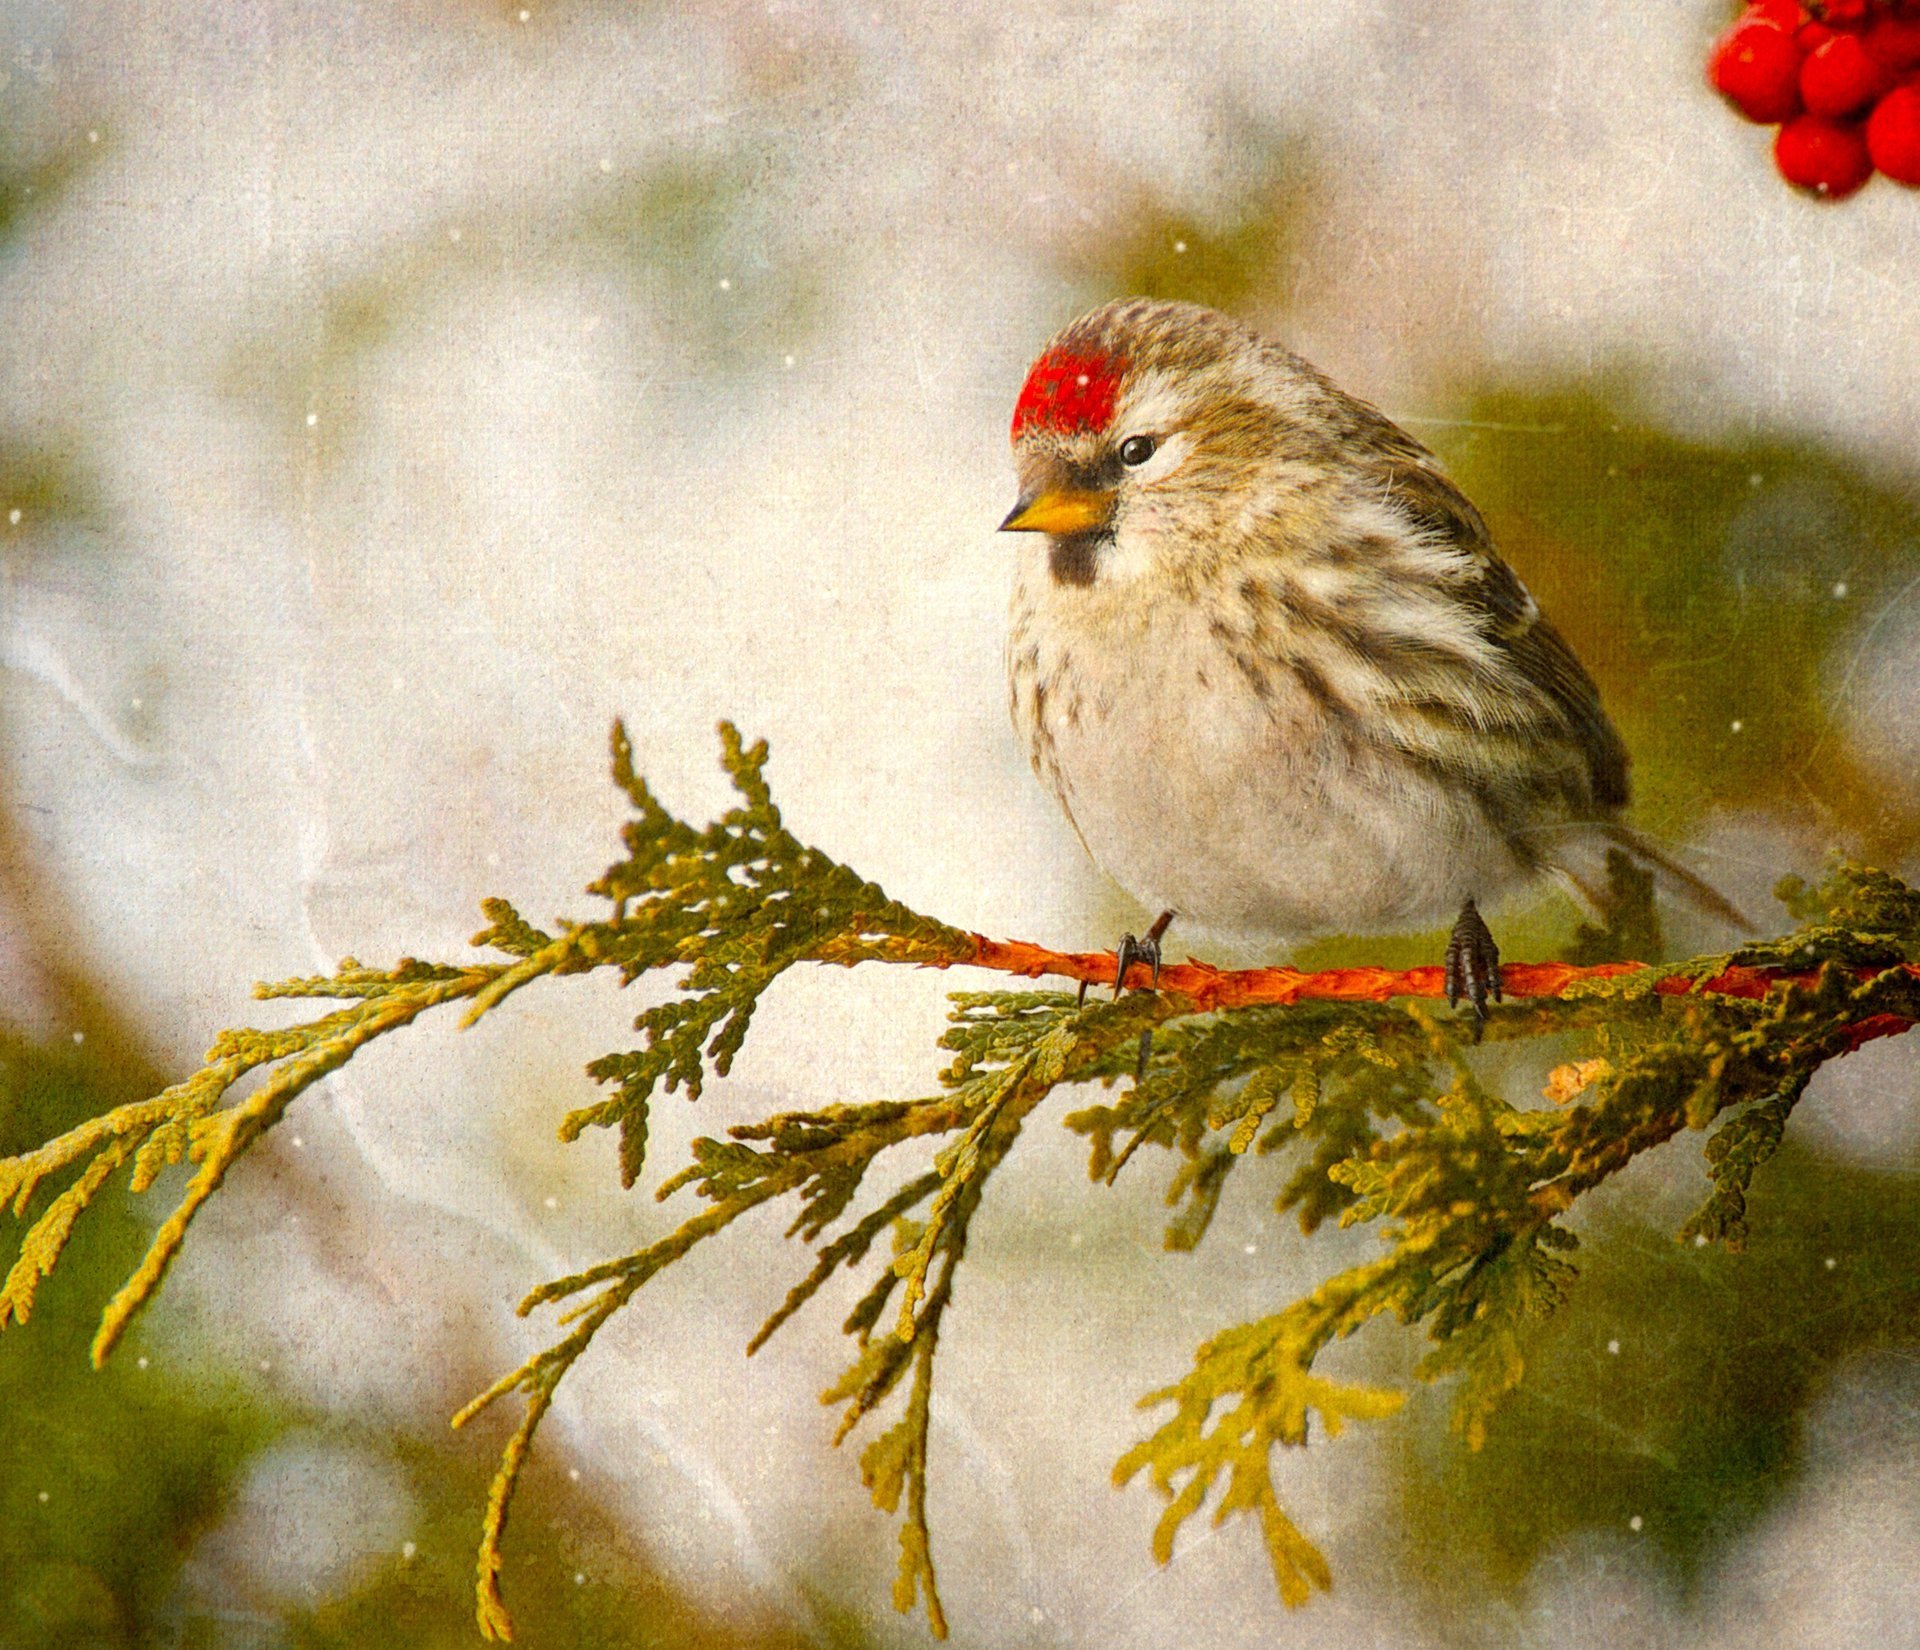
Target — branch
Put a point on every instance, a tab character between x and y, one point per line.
1204	989
1347	1079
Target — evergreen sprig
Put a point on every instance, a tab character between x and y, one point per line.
1379	1110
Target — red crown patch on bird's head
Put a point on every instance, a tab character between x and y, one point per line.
1068	392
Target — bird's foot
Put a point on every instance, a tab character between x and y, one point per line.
1138	949
1473	966
1145	951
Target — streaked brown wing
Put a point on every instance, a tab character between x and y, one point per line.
1412	478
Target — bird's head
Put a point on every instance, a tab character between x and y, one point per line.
1148	433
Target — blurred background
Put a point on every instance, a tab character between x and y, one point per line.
390	395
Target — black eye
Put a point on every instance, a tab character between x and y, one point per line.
1136	450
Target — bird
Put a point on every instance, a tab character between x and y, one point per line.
1264	654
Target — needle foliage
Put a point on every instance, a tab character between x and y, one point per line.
1360	1113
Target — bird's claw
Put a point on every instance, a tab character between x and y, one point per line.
1133	950
1137	949
1473	966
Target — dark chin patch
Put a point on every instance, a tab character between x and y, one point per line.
1075	558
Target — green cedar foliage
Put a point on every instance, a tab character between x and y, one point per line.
1376	1112
104	1483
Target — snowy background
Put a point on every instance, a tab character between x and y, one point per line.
390	395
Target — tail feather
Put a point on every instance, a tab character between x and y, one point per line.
1697	892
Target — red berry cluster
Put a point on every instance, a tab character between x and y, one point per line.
1840	78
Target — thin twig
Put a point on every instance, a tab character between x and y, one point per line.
1209	988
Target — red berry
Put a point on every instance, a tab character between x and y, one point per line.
1844	14
1756	66
1894	41
1810	37
1841	78
1788	14
1893	135
1828	157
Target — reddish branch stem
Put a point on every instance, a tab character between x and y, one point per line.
1212	988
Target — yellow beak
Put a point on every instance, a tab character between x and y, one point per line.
1062	511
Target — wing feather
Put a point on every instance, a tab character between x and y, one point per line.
1544	673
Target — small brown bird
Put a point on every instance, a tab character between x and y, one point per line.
1269	663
